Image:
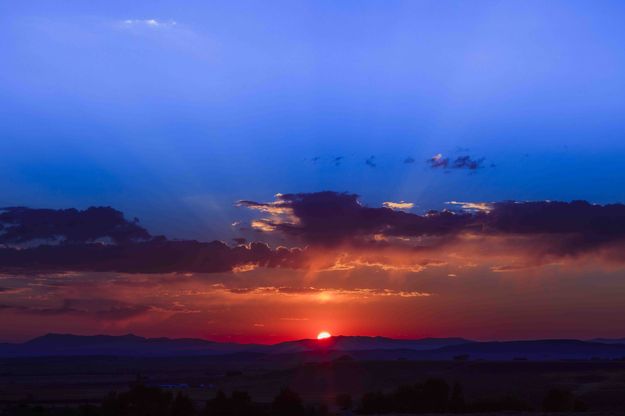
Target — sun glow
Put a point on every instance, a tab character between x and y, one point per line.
324	335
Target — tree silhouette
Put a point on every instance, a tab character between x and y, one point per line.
435	395
138	401
287	403
238	404
456	401
558	400
344	401
182	406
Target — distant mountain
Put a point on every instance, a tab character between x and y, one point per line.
68	345
132	345
609	340
356	347
556	349
358	343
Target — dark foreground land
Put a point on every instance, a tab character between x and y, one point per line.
592	386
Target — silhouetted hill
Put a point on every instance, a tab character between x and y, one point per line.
357	347
609	340
360	343
68	345
556	349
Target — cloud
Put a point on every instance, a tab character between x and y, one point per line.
243	268
466	162
105	309
12	290
335	230
101	239
562	228
149	23
155	256
21	225
362	293
473	206
371	162
438	161
331	218
401	205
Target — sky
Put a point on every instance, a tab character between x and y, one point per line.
293	167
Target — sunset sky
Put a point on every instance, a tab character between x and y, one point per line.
264	171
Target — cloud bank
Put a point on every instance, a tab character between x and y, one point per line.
326	230
95	270
101	239
557	228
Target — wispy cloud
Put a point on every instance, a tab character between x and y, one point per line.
473	206
149	23
401	205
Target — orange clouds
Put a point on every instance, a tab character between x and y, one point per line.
401	205
348	267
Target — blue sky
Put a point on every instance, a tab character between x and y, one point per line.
173	113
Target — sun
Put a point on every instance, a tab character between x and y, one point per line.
324	335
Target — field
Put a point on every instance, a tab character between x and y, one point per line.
316	377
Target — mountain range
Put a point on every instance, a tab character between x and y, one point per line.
360	347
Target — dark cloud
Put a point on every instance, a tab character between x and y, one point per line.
371	162
156	256
106	309
331	218
20	225
337	160
578	225
71	241
466	162
317	221
438	161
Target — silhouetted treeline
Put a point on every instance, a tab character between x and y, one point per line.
430	396
436	396
558	400
143	400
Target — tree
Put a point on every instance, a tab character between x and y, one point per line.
456	401
287	403
435	395
558	400
182	406
241	404
344	401
375	402
218	406
140	400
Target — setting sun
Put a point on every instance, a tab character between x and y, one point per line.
324	335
